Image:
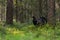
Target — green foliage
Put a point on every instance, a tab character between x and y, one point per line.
20	31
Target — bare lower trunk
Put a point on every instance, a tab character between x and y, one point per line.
9	13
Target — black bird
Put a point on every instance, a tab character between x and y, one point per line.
43	20
34	20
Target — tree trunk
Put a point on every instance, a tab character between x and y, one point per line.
40	7
21	13
9	13
17	19
51	12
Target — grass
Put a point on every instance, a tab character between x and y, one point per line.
29	32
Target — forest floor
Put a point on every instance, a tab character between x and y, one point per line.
29	32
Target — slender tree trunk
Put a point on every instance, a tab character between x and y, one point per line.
2	13
17	11
51	12
9	13
59	8
40	8
21	13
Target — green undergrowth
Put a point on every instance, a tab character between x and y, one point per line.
26	31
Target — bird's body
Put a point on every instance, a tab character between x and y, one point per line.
41	21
